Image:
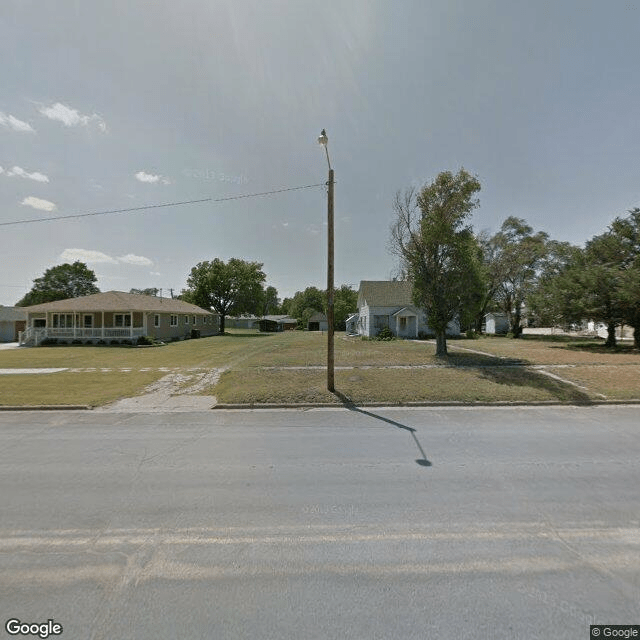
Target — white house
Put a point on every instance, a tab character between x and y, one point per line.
388	303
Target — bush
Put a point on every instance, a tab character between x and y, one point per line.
145	340
102	342
471	334
385	334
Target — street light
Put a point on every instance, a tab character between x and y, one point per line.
324	140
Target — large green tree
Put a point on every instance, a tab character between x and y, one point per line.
61	282
519	256
228	288
304	304
439	251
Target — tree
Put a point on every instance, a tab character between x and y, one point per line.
61	282
345	302
151	291
627	232
439	250
304	304
269	302
558	294
519	256
234	287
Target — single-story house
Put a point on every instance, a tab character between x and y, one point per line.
496	323
318	322
277	323
388	303
115	316
12	321
241	322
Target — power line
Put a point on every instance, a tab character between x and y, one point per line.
158	206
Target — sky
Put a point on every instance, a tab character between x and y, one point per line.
125	103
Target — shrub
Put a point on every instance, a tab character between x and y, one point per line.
145	340
385	334
471	334
102	342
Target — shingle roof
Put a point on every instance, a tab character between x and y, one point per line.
385	293
12	313
318	317
118	301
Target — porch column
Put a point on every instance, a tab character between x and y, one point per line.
74	324
103	324
131	324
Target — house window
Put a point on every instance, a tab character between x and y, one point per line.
186	319
403	324
63	320
88	321
122	320
174	321
194	320
380	322
156	320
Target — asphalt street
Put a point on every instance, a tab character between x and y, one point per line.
328	523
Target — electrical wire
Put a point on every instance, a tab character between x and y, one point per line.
158	206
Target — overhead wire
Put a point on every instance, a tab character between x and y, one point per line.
159	206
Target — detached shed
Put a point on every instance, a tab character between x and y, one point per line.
12	321
496	323
318	322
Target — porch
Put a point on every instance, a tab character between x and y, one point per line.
36	335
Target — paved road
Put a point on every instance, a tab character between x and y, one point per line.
416	523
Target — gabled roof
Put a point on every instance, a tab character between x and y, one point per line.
318	316
118	301
405	312
385	293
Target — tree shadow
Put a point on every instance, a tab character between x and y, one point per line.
349	404
516	372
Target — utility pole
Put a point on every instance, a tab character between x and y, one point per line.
323	140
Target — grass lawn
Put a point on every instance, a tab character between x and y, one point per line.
62	388
259	370
394	386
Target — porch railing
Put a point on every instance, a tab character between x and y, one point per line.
37	334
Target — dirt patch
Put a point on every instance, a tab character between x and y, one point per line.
173	392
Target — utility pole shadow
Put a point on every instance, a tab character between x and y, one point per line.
349	404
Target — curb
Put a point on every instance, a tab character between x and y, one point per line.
451	403
47	407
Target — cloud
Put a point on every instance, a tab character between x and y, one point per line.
86	255
19	171
37	203
13	123
72	117
285	224
93	256
151	178
130	258
154	273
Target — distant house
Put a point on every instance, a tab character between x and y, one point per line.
115	316
242	322
388	303
318	322
277	323
12	321
496	323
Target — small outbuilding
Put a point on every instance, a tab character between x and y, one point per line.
318	322
496	323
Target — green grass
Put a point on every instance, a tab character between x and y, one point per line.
394	386
478	370
67	388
